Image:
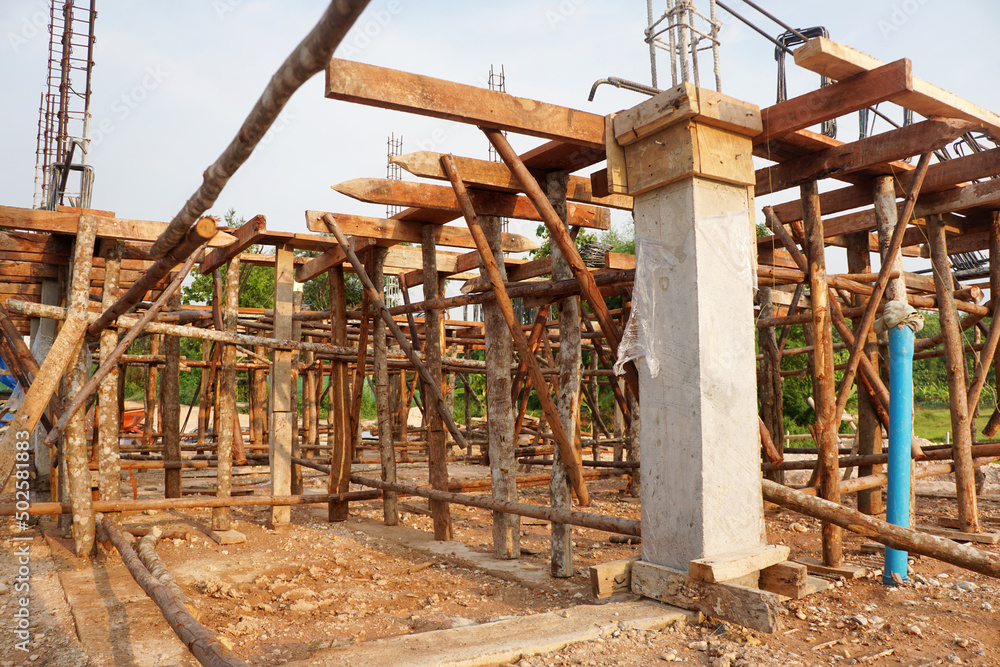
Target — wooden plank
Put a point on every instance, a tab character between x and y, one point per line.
788	579
110	228
496	176
615	176
749	607
686	101
848	571
862	154
397	230
865	89
616	261
613	578
838	61
734	566
684	150
402	91
985	195
247	235
333	257
487	202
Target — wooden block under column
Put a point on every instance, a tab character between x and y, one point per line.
847	570
608	579
749	607
734	566
787	578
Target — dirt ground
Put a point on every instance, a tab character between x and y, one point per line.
285	597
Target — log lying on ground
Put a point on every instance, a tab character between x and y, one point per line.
904	539
204	646
146	549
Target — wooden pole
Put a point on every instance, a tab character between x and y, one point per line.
770	388
108	419
341	445
282	391
994	242
965	481
568	397
869	427
433	350
560	238
170	408
112	360
878	289
566	449
311	55
221	516
499	425
387	454
202	643
827	419
75	441
897	537
296	478
435	392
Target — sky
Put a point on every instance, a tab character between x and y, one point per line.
173	81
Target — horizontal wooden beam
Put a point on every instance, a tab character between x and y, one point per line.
333	257
392	192
437	98
57	222
838	61
409	232
496	176
940	176
856	92
862	154
246	235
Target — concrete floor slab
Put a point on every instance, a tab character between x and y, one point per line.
503	641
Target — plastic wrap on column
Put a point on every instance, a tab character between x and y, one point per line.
655	263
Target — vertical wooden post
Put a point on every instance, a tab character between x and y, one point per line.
994	242
954	352
499	425
296	484
259	390
108	419
824	390
387	452
222	516
78	482
869	428
434	341
170	410
150	398
342	440
310	406
45	329
402	391
205	389
568	397
770	389
282	391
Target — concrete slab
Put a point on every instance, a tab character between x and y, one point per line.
503	641
511	570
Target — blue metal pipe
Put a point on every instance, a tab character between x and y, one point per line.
897	510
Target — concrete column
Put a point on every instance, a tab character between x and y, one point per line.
687	155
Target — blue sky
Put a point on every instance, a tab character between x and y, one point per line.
173	81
